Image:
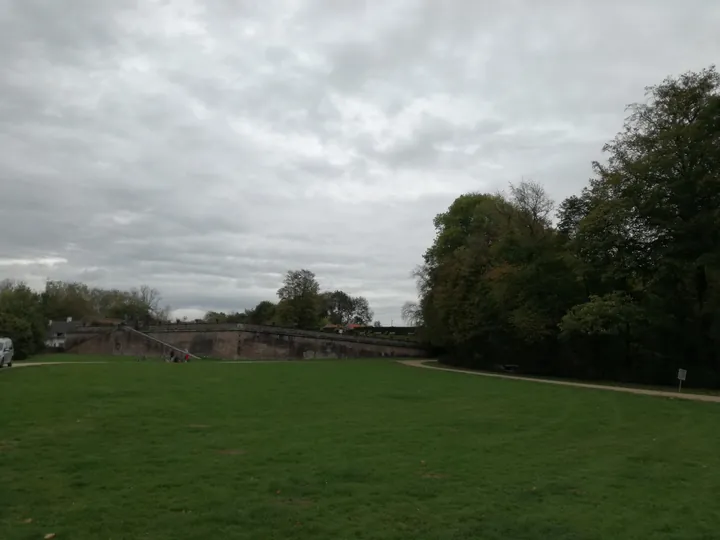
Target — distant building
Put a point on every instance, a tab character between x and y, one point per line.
340	329
337	328
57	332
356	326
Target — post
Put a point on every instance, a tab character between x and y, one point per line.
681	375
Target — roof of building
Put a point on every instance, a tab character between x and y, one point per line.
61	327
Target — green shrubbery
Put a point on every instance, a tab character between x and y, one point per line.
624	285
24	313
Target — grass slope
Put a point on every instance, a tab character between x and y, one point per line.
361	450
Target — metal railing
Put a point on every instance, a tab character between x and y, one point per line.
156	340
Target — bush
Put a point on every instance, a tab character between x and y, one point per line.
21	332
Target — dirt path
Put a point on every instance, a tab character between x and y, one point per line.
657	393
30	364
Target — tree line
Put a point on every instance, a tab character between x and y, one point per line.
25	313
302	304
624	283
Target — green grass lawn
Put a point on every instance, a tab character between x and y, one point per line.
66	357
345	450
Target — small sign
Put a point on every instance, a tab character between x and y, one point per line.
682	373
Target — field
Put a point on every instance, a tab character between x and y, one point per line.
345	450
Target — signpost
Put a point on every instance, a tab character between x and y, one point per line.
682	375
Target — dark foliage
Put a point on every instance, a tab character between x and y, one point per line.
625	287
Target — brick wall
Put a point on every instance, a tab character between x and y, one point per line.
282	345
246	342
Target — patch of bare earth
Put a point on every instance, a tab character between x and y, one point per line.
302	503
7	445
437	476
231	452
425	473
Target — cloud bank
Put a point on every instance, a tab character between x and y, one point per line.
204	148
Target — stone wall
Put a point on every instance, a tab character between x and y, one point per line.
233	342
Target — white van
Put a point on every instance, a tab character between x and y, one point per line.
6	351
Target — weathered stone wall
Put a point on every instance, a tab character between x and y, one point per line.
256	344
234	342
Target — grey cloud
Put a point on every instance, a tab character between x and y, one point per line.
92	275
79	27
422	149
205	148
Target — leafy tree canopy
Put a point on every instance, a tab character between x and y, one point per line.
626	283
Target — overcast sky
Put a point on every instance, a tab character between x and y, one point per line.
205	148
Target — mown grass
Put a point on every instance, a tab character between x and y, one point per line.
68	357
358	449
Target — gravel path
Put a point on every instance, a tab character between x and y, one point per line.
30	364
641	391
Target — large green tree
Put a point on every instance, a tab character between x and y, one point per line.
341	308
497	280
626	285
25	338
21	317
79	301
300	302
648	225
263	314
63	299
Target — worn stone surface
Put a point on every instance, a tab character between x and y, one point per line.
234	342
